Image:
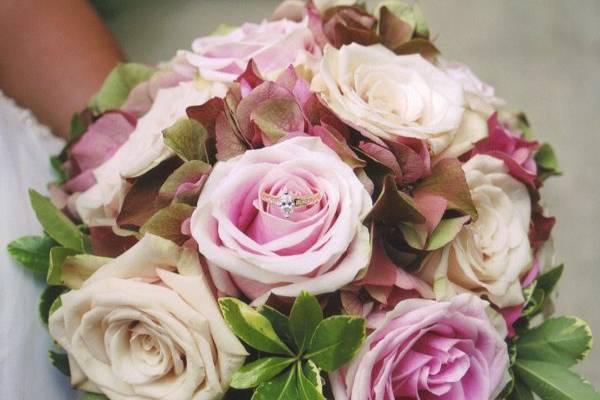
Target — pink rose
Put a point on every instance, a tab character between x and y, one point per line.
251	245
272	45
426	349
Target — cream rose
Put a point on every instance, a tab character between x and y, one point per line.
390	96
138	330
489	255
143	150
252	245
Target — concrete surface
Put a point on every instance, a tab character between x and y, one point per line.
542	57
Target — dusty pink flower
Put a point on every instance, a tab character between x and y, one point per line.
516	152
272	45
102	139
250	244
426	349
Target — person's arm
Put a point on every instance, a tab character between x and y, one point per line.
54	55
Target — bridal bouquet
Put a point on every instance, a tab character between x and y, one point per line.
319	206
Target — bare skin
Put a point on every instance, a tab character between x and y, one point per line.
54	55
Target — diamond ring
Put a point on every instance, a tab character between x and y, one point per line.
288	202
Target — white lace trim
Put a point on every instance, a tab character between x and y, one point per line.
25	116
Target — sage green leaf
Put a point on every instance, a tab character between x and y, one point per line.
545	158
560	340
305	316
189	172
33	252
410	13
259	371
57	257
47	300
520	391
252	327
186	138
278	117
280	323
548	280
93	396
446	230
60	361
335	341
118	84
306	389
55	223
283	387
554	382
167	222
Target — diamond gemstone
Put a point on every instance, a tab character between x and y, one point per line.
286	204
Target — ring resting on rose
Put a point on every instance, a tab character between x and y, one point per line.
287	202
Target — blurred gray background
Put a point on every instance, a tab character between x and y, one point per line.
543	56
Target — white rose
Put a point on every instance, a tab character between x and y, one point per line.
490	255
143	150
136	330
390	96
480	97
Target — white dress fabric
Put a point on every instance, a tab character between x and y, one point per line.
25	370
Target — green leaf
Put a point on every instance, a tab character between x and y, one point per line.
306	389
33	252
560	340
167	222
280	323
55	223
57	168
554	382
283	387
335	341
47	301
60	361
118	84
57	257
186	138
305	316
92	396
548	280
259	371
520	391
545	158
313	374
535	303
79	125
252	327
